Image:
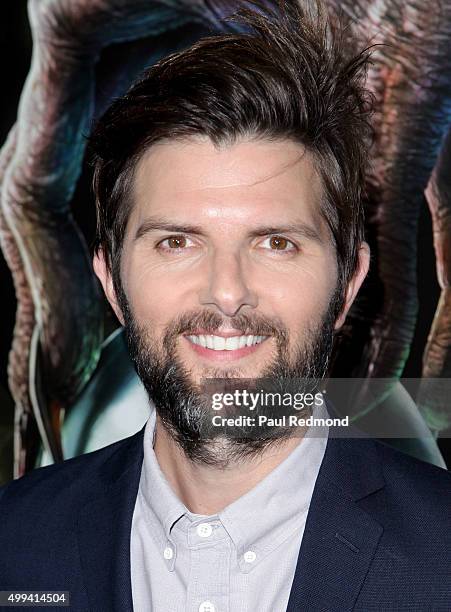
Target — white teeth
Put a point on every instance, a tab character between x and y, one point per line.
218	343
209	340
242	341
232	344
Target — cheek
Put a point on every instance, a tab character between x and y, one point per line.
156	296
299	294
298	305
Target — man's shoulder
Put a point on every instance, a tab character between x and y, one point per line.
398	465
68	482
415	490
393	487
42	514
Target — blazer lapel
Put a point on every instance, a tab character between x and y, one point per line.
340	538
104	528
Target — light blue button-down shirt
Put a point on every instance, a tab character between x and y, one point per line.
241	559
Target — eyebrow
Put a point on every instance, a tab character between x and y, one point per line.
153	225
301	229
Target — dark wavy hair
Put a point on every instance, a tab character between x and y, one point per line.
291	73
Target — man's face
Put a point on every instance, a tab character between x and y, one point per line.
228	268
243	236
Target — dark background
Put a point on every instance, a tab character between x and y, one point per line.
15	49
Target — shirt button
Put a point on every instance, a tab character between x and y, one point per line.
206	606
168	553
204	530
250	556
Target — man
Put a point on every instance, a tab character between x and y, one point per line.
230	246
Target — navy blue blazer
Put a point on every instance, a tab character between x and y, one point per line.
377	537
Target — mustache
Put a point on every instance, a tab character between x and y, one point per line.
255	325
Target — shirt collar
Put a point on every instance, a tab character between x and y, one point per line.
258	521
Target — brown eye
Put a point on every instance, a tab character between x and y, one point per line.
278	243
176	242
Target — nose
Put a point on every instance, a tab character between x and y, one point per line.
227	285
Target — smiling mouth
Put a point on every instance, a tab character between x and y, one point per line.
220	343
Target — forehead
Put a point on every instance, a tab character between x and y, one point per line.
248	178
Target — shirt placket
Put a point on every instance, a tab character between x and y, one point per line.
210	554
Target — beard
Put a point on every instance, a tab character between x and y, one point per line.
184	410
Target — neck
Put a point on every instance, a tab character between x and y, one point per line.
206	489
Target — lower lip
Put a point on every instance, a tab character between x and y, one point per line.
224	355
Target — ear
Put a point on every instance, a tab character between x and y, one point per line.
355	282
103	274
